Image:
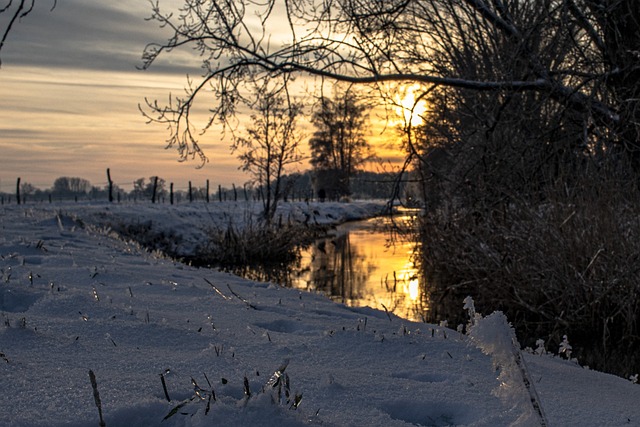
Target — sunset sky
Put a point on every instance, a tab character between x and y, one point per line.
70	95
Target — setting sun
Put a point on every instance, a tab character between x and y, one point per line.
409	106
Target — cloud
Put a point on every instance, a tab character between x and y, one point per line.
88	34
78	122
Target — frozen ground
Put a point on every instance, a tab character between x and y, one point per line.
75	298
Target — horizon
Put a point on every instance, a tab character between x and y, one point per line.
71	95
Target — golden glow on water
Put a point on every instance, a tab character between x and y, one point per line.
414	290
358	267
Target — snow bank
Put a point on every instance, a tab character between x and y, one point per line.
74	298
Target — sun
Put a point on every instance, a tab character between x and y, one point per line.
409	106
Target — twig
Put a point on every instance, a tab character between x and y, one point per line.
528	383
241	299
386	310
593	259
164	387
216	289
568	218
96	396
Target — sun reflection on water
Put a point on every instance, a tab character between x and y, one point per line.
359	267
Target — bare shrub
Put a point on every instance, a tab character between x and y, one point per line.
257	250
565	264
149	235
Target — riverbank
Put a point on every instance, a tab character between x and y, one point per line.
183	230
75	297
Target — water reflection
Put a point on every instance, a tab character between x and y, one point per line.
359	265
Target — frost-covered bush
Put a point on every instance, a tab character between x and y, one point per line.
148	235
495	336
243	245
565	348
566	263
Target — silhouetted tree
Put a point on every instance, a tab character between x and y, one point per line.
338	146
578	56
27	189
145	190
270	143
65	186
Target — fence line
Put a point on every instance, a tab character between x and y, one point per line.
112	193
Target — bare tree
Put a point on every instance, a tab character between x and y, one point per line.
338	146
71	186
152	190
270	143
580	55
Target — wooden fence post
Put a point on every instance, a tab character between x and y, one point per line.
207	195
18	191
110	186
190	193
171	193
155	189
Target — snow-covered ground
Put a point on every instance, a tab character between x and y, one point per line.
74	298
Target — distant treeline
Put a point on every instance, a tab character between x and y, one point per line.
298	186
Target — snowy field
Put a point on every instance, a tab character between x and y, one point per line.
159	335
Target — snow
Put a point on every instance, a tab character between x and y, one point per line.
74	298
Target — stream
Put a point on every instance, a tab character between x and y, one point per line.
363	263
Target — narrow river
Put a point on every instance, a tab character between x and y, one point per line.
359	264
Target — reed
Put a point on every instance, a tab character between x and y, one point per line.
568	265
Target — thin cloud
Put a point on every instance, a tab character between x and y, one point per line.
80	34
